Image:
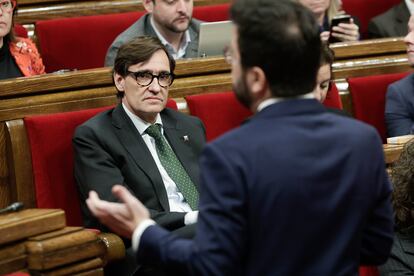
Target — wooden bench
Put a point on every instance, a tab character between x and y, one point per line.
30	11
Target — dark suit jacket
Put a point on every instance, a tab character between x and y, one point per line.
399	107
294	191
392	23
143	27
109	150
401	261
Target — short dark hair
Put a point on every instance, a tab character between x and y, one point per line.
282	38
327	55
136	51
402	178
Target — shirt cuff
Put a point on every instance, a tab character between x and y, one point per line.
191	217
136	236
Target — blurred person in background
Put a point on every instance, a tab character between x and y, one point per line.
18	56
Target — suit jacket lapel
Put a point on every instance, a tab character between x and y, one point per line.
136	147
177	138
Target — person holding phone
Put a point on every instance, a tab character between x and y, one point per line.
332	29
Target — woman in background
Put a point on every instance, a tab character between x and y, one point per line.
401	261
324	11
18	56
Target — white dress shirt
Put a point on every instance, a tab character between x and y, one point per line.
175	197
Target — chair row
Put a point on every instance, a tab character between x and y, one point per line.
41	154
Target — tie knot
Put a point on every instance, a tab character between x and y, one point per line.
154	131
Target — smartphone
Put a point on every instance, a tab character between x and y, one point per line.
343	18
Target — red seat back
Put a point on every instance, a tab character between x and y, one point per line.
219	112
364	10
332	98
368	99
80	42
368	271
212	13
20	31
50	140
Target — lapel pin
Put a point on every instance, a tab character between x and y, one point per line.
185	138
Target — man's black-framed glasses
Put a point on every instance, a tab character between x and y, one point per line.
145	78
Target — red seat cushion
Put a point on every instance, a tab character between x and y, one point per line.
332	98
368	99
219	112
80	42
50	140
212	13
364	10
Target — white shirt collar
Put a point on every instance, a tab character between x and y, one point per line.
271	101
140	124
410	6
183	46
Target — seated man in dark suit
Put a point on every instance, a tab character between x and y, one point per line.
399	102
295	190
170	21
392	23
160	167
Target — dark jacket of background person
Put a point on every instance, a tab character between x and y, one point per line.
392	23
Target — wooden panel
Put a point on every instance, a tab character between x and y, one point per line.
32	10
20	164
25	223
370	47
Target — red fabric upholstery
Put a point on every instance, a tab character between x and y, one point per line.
368	98
212	13
20	31
364	10
50	139
219	112
332	98
368	271
80	42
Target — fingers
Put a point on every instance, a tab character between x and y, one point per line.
132	203
324	36
346	32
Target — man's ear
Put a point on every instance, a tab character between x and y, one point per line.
119	82
257	82
148	5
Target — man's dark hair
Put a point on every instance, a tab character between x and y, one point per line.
136	51
282	38
327	55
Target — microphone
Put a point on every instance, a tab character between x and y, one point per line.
16	206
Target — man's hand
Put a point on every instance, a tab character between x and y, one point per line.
123	218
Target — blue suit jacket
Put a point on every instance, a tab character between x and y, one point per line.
294	191
399	107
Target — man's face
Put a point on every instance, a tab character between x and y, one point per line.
173	15
322	82
409	40
316	6
240	87
145	101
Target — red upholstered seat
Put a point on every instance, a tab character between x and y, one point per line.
368	271
219	112
368	99
212	13
332	98
50	140
80	42
20	31
364	10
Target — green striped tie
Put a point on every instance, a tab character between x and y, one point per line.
173	166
